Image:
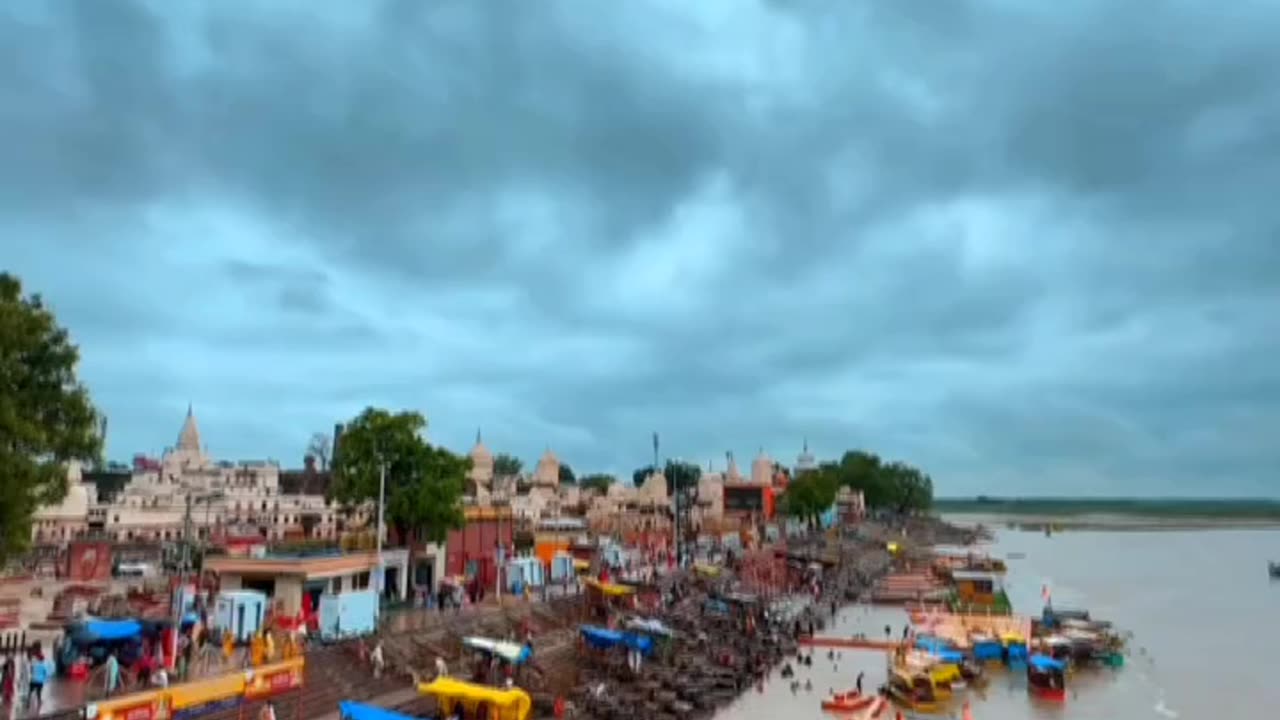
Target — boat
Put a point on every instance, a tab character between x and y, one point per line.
915	691
1274	569
851	701
478	700
1047	678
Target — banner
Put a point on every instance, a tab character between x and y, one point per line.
269	680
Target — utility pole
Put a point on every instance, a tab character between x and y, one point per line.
382	501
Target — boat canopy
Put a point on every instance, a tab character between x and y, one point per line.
1044	663
604	638
707	570
611	589
514	704
987	650
351	710
510	652
111	629
652	626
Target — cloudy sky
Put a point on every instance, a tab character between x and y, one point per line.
1031	247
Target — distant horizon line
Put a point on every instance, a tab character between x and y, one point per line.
1108	498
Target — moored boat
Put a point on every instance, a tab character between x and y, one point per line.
915	691
1047	678
851	701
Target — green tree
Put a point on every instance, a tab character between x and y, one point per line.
678	474
566	475
895	486
505	465
596	481
811	494
424	482
46	417
640	474
681	475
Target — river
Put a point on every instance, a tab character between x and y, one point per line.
1203	613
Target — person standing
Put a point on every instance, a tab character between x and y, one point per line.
377	659
8	680
39	676
111	670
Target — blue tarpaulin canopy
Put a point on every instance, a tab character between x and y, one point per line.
987	650
604	638
1045	663
937	648
930	643
113	629
359	711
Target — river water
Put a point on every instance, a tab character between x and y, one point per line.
1203	613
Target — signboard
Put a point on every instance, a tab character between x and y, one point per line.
197	699
140	706
273	679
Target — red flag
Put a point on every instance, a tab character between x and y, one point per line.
1044	593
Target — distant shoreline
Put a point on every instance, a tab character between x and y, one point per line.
1115	513
1108	522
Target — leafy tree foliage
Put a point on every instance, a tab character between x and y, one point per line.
596	481
683	475
505	465
895	486
811	494
566	475
424	482
46	417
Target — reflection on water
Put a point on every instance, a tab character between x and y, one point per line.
1200	606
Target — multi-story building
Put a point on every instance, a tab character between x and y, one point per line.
185	489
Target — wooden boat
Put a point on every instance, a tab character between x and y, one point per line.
851	701
915	691
1047	678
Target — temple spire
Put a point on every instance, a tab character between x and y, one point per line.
189	436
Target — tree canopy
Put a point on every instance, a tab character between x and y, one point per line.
505	465
596	481
566	475
46	417
684	475
811	494
895	486
424	482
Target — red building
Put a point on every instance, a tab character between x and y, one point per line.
749	500
472	551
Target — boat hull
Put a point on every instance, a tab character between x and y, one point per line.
848	702
1050	694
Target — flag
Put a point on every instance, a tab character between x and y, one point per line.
1044	593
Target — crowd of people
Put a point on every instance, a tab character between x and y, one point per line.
23	676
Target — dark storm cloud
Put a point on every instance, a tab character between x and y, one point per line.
1023	245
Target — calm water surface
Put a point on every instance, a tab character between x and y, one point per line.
1199	604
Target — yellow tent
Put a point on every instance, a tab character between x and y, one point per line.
512	704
